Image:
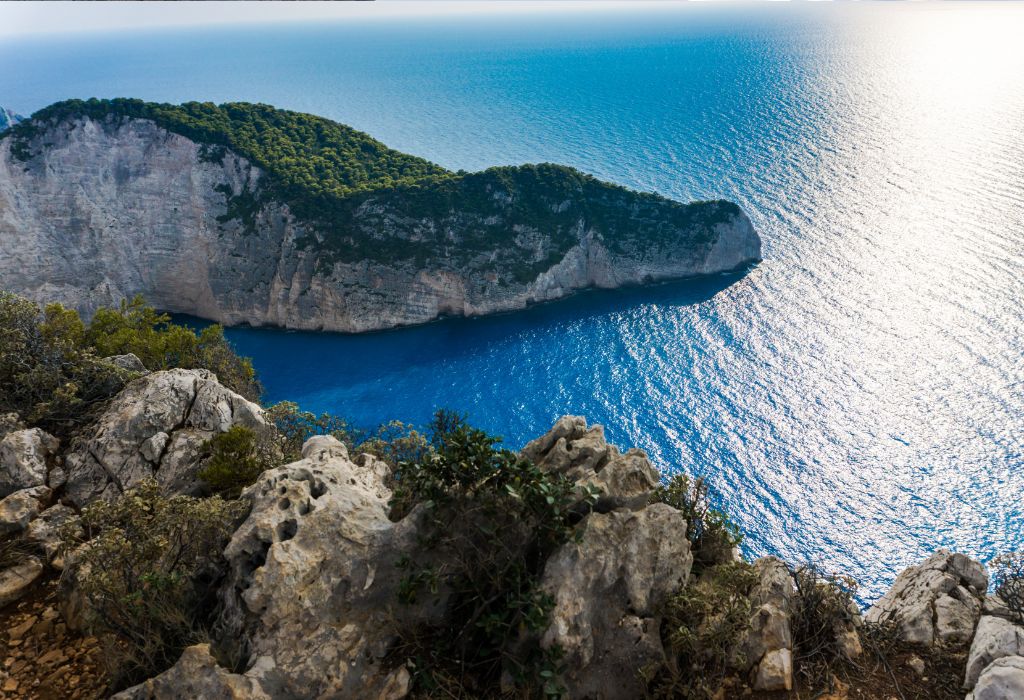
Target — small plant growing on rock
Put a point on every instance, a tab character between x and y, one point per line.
493	519
825	608
143	569
702	625
713	537
1008	577
237	458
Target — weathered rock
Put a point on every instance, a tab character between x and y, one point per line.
18	509
994	639
583	455
767	646
195	675
313	578
70	218
25	457
15	581
9	422
608	589
155	427
129	361
1003	679
937	600
44	531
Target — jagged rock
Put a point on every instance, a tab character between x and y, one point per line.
15	581
995	638
608	589
1003	679
9	422
937	600
44	531
583	455
155	427
25	456
129	361
313	581
18	509
195	675
772	602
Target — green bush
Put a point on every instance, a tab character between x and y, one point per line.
295	427
139	329
713	537
494	519
52	371
1008	580
146	566
237	457
48	374
702	625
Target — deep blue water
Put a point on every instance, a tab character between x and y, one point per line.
855	400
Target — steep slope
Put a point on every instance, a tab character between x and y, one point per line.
248	214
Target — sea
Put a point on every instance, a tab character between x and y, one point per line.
855	401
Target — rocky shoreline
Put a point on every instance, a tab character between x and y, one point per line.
314	570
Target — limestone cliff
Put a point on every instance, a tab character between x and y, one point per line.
93	210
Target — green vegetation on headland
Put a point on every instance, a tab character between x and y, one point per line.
360	200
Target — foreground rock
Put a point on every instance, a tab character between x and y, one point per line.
196	675
156	428
25	459
938	600
609	589
21	507
313	586
766	651
996	638
18	579
1003	679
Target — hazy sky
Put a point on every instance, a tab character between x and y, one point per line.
25	18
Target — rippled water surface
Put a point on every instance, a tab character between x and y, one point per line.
855	400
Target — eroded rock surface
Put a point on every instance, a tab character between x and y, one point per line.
25	458
767	648
937	600
155	428
18	509
994	639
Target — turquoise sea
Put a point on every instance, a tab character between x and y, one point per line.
856	400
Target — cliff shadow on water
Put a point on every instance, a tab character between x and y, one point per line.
286	358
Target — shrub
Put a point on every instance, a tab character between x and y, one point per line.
237	457
494	519
825	604
396	443
139	329
701	627
712	535
1008	577
48	374
145	565
295	427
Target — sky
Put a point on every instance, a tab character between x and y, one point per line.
30	18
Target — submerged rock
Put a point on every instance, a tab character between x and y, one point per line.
155	428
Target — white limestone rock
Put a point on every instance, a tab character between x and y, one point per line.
155	427
608	589
1003	679
18	509
936	600
16	580
25	458
994	639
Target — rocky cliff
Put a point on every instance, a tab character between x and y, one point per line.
96	208
8	118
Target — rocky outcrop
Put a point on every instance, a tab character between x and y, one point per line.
21	507
583	455
609	589
937	600
313	581
25	459
996	638
18	579
8	118
105	209
1003	679
196	675
766	650
155	427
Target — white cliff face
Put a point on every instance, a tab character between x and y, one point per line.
106	210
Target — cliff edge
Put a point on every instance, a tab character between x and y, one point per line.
245	214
